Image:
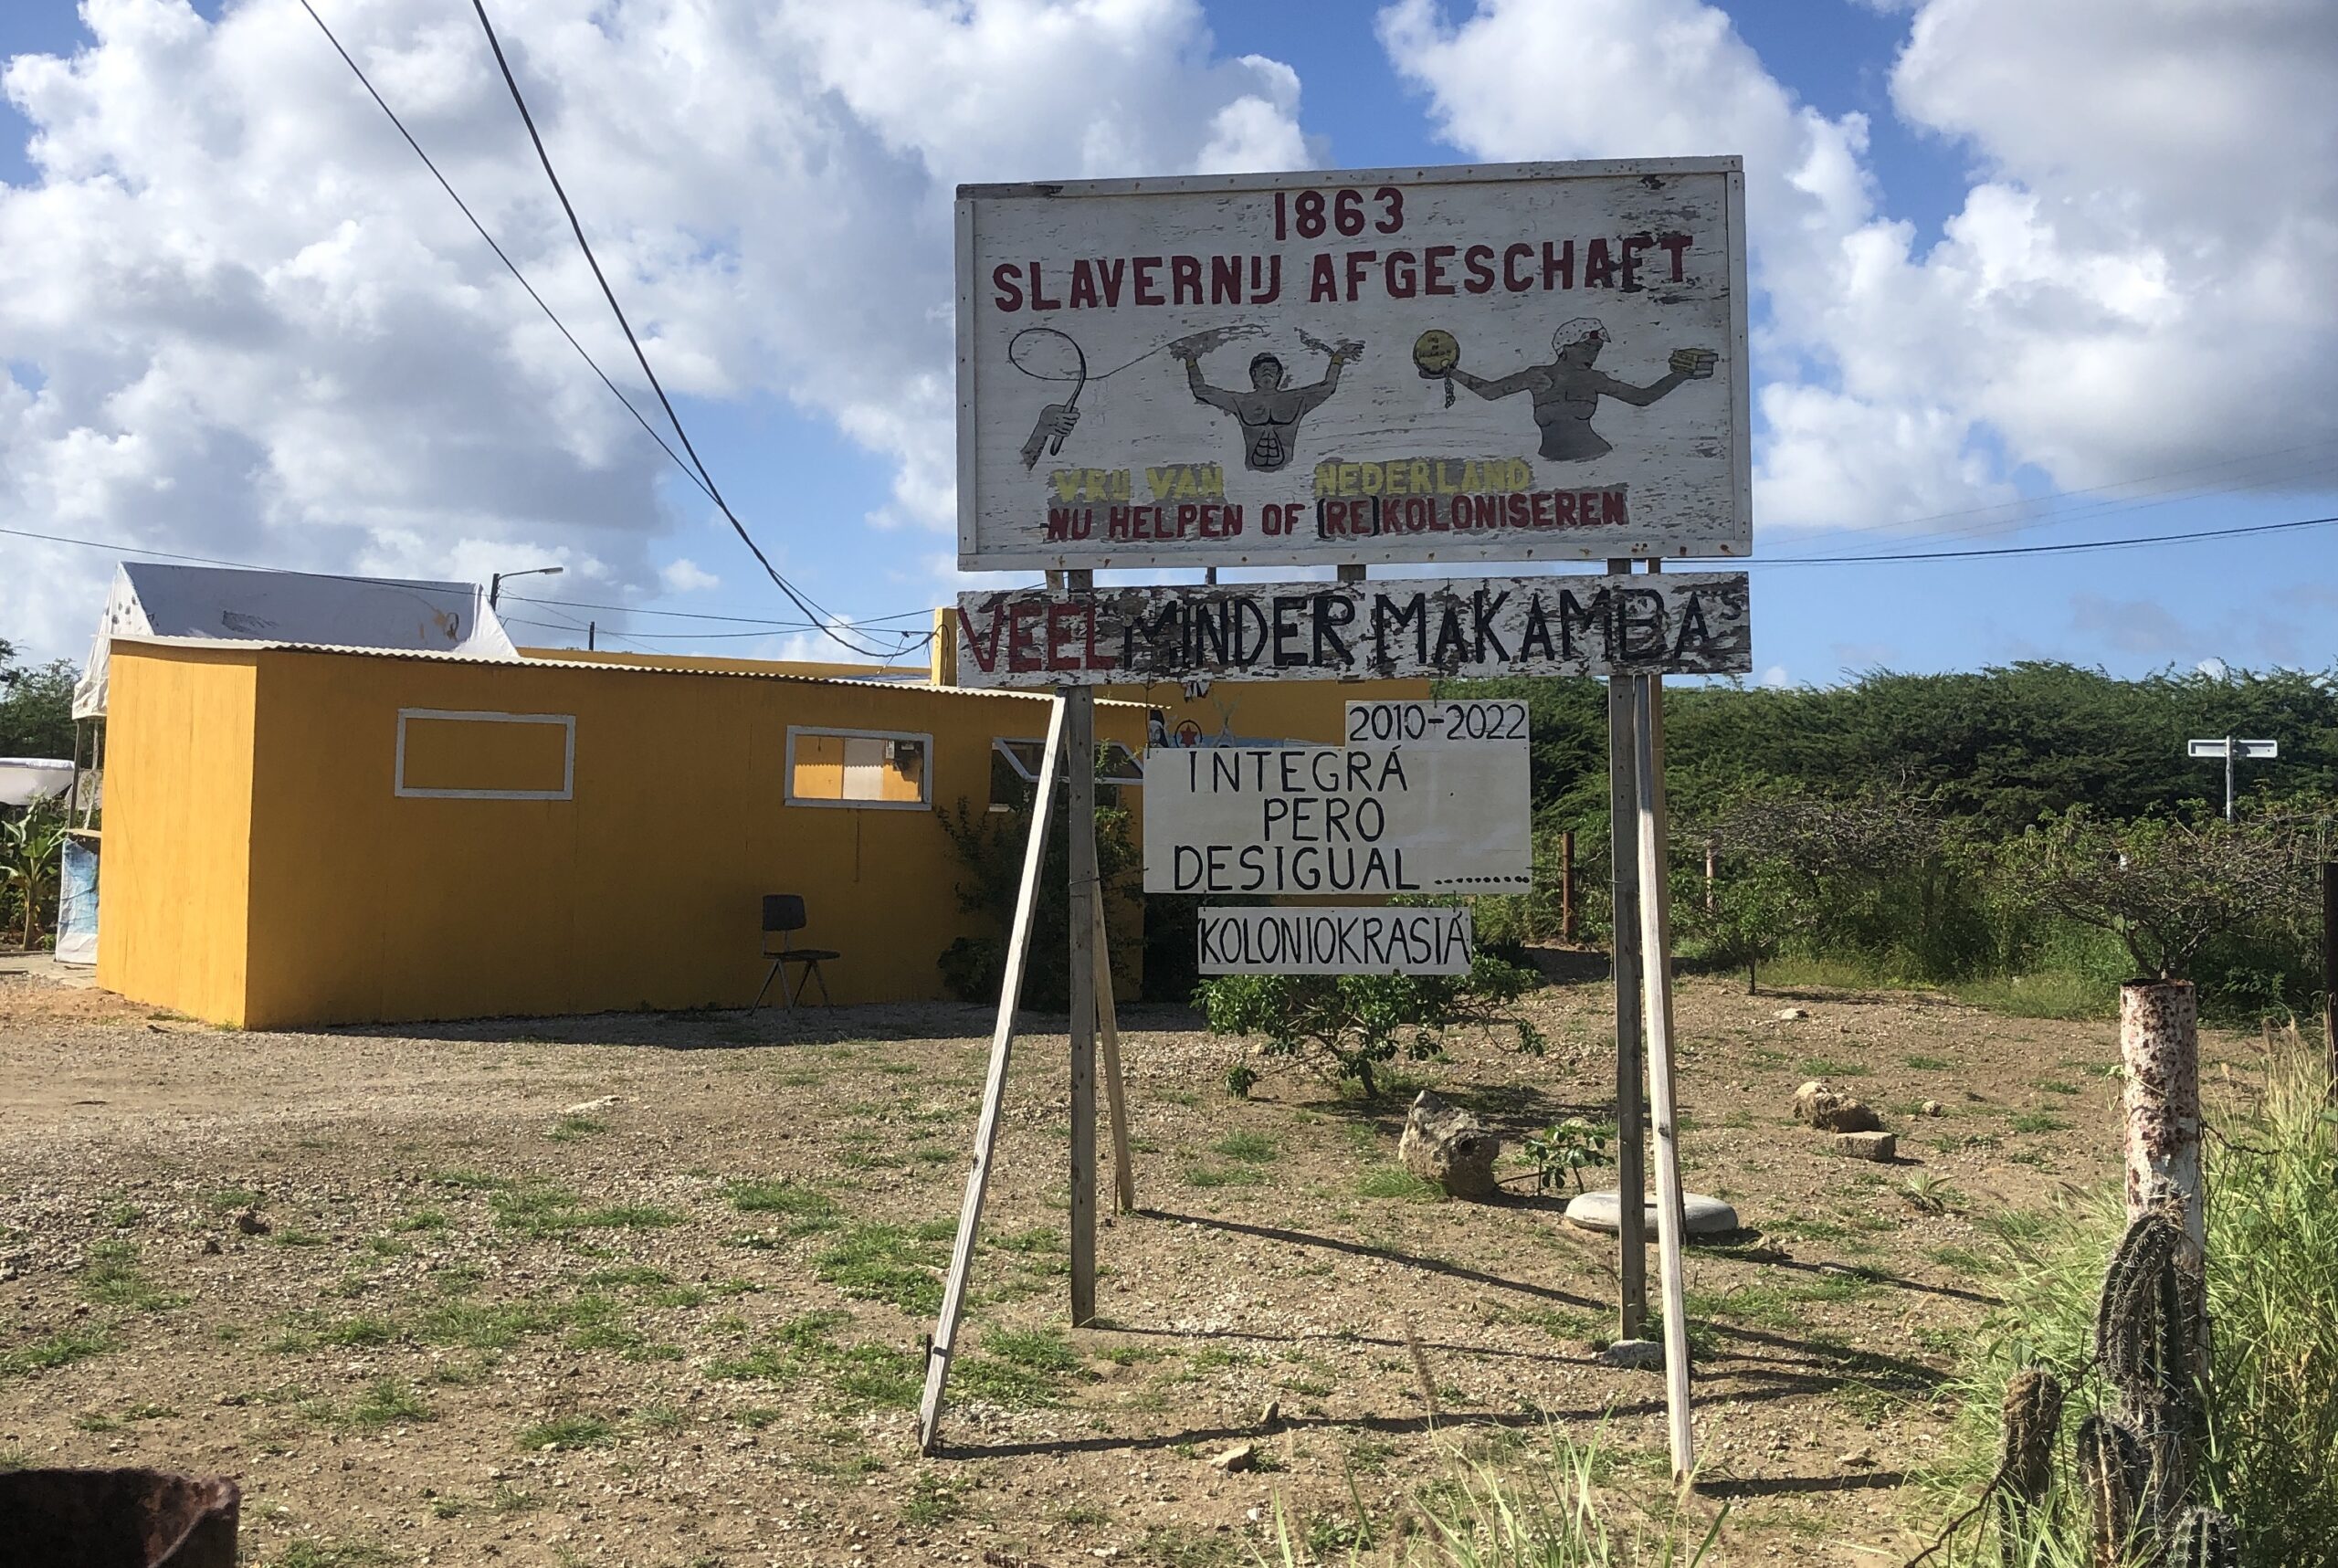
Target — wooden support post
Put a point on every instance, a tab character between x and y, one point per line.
2330	971
1010	991
1079	756
1566	886
1108	1035
1656	985
1623	863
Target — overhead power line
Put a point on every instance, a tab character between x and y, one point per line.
2073	548
811	609
820	618
509	264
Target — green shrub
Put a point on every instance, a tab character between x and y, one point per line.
1345	1026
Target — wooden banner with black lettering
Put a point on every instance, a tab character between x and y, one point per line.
1673	624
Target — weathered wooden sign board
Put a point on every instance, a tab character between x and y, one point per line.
1456	720
1501	363
1316	939
1575	624
1337	820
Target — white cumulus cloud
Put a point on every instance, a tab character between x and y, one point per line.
238	320
2128	287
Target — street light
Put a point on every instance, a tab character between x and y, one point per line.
495	583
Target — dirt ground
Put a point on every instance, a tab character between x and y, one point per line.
427	1312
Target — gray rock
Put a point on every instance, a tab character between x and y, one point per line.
250	1224
1701	1216
1792	1014
1933	1107
1830	1110
1636	1353
1445	1144
1880	1146
1241	1457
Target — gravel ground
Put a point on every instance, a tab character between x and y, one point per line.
649	1289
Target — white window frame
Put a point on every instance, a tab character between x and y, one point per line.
924	784
567	723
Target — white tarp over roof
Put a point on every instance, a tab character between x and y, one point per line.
152	600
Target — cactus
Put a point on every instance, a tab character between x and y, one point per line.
2114	1469
2148	1329
2033	1416
2203	1538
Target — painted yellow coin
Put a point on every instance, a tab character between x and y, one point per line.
1436	352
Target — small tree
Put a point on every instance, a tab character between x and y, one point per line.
1347	1026
30	844
990	847
1751	913
2165	886
1795	867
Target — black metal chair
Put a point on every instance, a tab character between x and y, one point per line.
783	913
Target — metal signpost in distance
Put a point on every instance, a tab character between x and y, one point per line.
1502	363
2232	750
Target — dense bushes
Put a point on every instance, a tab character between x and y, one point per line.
1902	826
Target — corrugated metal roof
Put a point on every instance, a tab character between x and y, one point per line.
428	656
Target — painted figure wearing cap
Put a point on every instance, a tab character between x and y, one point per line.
1567	391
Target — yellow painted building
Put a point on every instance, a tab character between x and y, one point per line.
302	836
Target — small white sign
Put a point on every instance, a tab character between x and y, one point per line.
2261	750
1337	820
1458	719
1320	940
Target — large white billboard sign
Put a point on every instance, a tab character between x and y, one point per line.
1337	820
1502	363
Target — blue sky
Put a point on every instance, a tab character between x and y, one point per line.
803	484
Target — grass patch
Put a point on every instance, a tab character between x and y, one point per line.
1224	1176
387	1403
857	1377
571	1129
61	1349
332	1554
2054	993
2036	1122
487	1325
1396	1182
567	1432
932	1501
542	1209
1251	1148
111	1277
359	1331
792	1198
1929	1064
883	1263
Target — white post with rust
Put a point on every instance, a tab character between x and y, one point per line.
2159	1049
